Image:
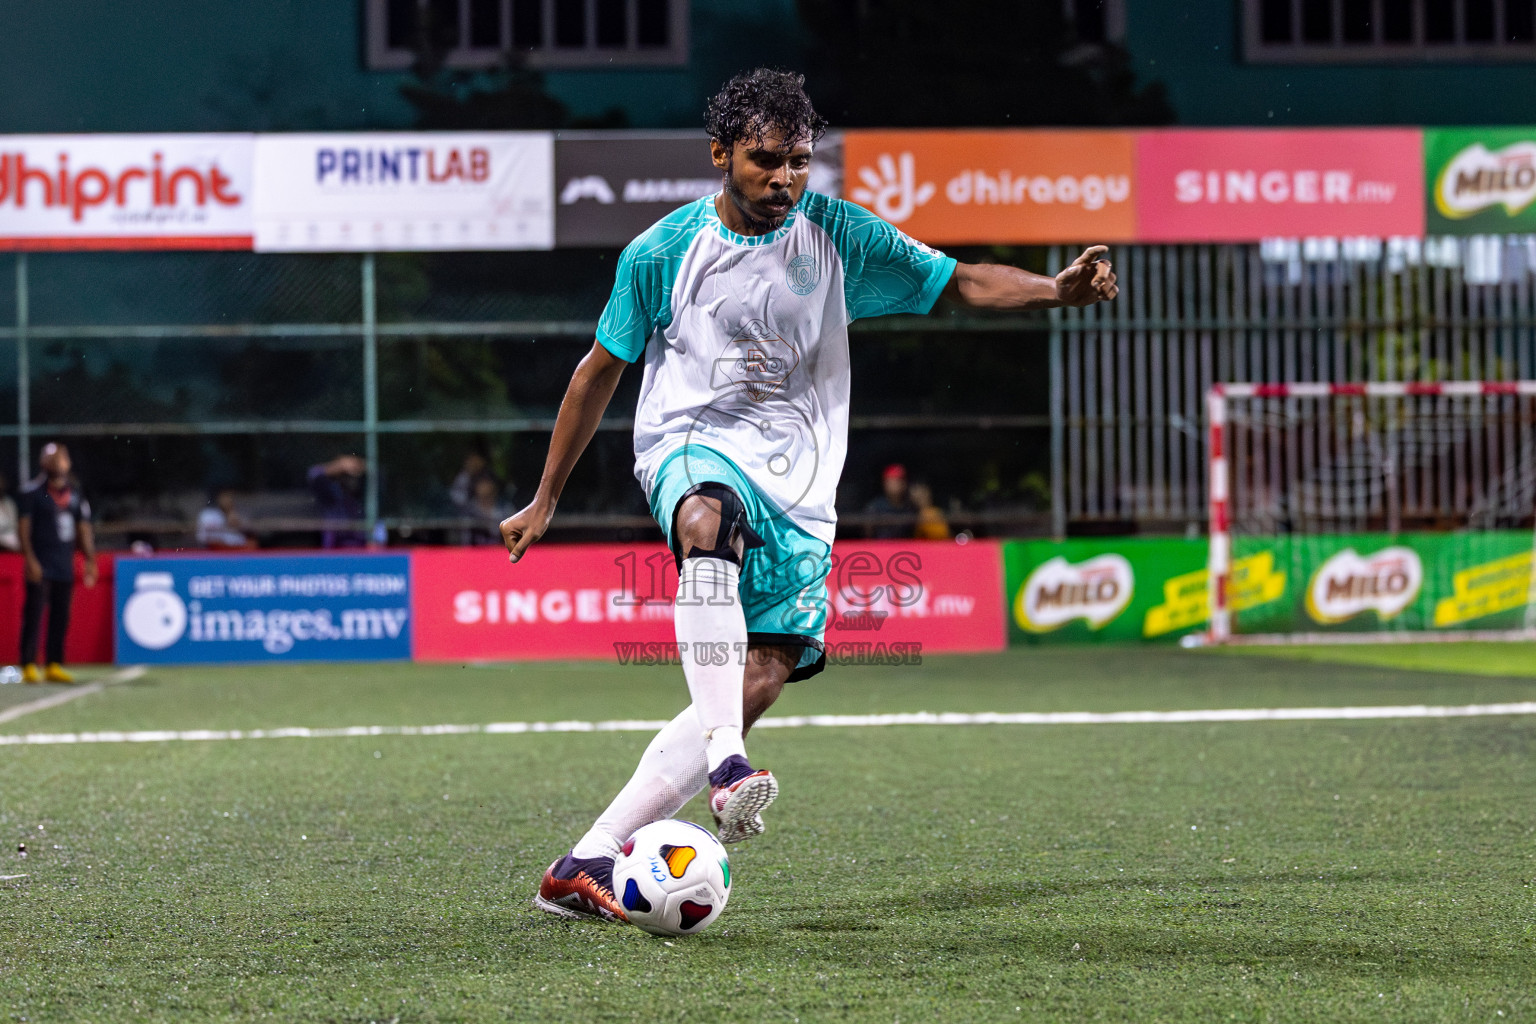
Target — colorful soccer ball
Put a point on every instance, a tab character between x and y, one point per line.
673	878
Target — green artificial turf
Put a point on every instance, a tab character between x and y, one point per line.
1486	659
1292	871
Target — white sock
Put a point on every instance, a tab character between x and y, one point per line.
670	773
712	635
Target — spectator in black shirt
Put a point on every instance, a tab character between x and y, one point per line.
338	489
487	506
52	519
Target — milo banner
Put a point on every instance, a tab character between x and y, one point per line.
1480	181
1135	589
1409	582
1096	590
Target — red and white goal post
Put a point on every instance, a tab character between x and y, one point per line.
1391	511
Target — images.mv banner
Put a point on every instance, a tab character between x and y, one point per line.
254	608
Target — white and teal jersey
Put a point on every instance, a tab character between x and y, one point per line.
745	339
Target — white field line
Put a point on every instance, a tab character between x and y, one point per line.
799	722
73	693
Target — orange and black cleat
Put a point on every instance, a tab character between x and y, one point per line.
580	889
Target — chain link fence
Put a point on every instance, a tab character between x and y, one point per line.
174	374
1130	376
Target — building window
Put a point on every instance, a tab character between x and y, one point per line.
545	33
1096	21
1347	31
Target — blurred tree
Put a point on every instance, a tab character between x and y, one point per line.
510	97
505	99
917	63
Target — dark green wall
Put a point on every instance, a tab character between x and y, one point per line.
206	65
284	65
189	65
1195	48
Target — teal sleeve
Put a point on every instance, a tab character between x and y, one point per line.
642	286
634	307
885	271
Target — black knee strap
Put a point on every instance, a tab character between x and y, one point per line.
733	525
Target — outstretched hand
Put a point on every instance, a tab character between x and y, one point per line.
1088	280
521	529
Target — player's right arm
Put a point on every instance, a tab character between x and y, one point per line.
636	308
586	398
34	566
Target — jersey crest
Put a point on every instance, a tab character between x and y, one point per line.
803	274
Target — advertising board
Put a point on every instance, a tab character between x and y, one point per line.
401	191
263	608
611	186
1414	581
986	187
91	612
1480	181
383	191
615	601
1110	589
126	191
1239	185
1157	589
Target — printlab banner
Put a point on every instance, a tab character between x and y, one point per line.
404	192
263	608
615	601
125	191
984	187
1481	181
1137	589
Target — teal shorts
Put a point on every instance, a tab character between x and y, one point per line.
783	581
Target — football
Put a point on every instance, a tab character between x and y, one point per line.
673	878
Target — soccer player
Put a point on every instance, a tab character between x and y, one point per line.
739	304
53	519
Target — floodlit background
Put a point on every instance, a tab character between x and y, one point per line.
158	365
301	285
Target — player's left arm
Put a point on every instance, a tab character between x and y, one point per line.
85	535
1089	279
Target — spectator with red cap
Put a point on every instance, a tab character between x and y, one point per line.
896	514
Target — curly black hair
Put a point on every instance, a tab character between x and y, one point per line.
760	101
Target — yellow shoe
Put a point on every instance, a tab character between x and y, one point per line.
56	674
30	674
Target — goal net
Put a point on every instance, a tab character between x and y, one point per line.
1378	512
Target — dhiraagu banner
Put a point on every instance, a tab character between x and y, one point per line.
1480	181
1156	589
